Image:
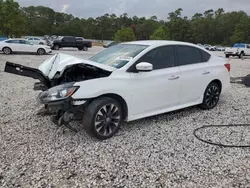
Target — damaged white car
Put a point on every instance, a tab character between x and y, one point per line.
126	82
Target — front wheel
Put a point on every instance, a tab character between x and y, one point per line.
211	96
102	118
41	51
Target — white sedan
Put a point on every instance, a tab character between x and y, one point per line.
23	45
36	40
129	81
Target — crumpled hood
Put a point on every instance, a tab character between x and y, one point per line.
59	62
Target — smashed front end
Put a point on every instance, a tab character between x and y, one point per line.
57	77
59	69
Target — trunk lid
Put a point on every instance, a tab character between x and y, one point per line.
59	62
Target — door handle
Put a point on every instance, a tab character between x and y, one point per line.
205	72
174	77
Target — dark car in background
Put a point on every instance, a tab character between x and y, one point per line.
71	42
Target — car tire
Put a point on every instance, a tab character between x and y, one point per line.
85	48
241	55
56	47
103	117
227	56
7	50
41	43
41	51
211	96
80	49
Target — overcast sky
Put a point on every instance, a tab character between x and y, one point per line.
160	8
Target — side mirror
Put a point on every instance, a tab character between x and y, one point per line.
144	67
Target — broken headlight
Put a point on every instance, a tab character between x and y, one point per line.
58	93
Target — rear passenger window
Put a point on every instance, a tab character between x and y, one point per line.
205	56
160	58
188	55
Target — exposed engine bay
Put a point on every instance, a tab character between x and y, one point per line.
77	73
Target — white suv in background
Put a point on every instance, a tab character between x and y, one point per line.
130	81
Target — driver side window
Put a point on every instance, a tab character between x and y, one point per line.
160	57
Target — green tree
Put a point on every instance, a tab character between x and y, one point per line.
12	22
162	33
211	27
124	34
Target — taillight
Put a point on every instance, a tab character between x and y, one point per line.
228	67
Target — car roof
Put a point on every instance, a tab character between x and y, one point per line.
159	42
16	39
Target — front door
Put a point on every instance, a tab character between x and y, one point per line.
159	89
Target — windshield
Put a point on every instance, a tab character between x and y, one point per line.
119	55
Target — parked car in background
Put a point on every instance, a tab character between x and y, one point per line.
111	43
207	46
36	40
70	41
22	45
129	81
238	49
212	48
219	48
200	45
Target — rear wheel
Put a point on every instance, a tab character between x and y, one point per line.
241	55
85	48
102	118
211	96
7	50
41	51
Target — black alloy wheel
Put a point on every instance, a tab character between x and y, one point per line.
211	96
102	118
107	120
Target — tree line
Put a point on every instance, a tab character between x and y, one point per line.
211	27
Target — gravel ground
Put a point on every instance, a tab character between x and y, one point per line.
159	151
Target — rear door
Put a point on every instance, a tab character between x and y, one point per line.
27	46
195	73
158	89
